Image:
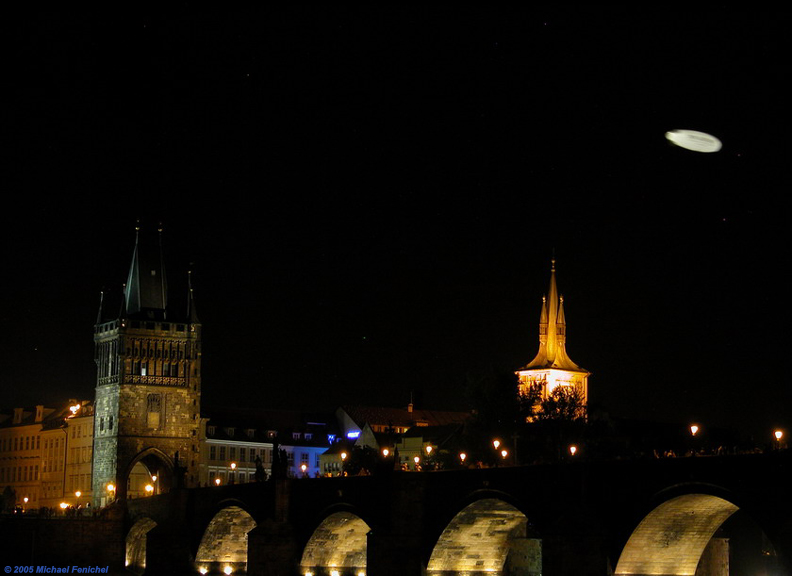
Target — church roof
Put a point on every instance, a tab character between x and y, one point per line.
552	352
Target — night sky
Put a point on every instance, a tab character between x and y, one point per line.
369	199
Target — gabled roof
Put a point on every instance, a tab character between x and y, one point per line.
383	416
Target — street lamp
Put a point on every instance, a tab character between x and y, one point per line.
303	467
496	443
25	500
417	460
504	453
573	449
462	457
778	435
217	481
343	456
385	452
149	489
693	429
429	450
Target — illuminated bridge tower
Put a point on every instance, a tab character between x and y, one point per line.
148	386
552	366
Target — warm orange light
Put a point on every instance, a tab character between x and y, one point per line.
25	499
149	488
429	450
227	570
504	453
63	505
111	487
693	429
385	452
78	493
303	467
233	465
343	455
496	443
217	481
154	478
573	449
416	460
778	434
462	456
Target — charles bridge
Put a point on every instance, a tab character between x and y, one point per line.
699	515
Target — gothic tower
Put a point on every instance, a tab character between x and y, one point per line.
148	385
552	367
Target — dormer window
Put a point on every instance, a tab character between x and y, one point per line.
251	432
295	435
210	430
230	431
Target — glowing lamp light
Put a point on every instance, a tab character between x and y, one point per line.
693	429
233	465
778	435
111	487
78	494
429	450
63	505
385	452
343	455
303	467
154	478
504	453
353	435
25	499
573	449
309	573
462	456
217	481
74	409
496	443
416	460
149	488
361	573
227	570
335	573
202	570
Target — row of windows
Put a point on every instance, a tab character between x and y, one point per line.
20	443
245	454
80	455
20	474
81	482
79	430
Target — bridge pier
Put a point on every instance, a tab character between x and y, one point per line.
272	550
393	554
168	550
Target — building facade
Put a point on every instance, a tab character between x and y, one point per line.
551	367
45	456
148	387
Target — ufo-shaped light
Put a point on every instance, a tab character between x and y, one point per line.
695	141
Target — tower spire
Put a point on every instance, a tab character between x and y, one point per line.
146	287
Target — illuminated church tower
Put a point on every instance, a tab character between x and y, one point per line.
148	387
552	367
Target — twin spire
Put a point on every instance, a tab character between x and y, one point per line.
552	331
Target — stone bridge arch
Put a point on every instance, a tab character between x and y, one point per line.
338	546
689	531
135	546
489	535
224	542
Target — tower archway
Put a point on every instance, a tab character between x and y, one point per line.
489	536
337	547
225	542
149	473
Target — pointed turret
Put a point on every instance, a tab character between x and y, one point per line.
192	314
146	287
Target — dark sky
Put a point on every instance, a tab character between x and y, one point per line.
369	199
